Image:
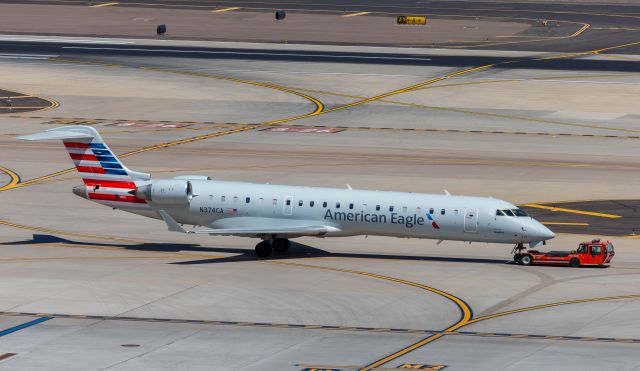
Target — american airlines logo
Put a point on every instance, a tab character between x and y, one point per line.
394	218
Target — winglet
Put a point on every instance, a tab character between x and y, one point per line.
172	225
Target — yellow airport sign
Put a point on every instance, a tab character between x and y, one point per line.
411	19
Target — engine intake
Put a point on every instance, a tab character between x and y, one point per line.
168	191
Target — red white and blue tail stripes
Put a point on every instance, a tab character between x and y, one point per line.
103	174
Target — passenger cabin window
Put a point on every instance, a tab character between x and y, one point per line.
390	208
300	203
324	204
288	201
311	203
418	210
499	213
211	197
261	200
274	201
337	205
431	211
377	207
222	198
247	200
350	206
404	209
235	199
456	211
364	207
442	212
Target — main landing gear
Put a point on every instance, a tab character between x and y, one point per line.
517	253
265	248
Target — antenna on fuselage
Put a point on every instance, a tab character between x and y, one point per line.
349	186
447	193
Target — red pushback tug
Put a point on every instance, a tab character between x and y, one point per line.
594	253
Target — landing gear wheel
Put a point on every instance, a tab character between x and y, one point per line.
281	245
526	260
516	258
574	263
263	249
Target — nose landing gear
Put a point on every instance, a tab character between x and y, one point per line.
517	253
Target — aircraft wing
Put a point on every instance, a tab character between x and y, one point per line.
314	229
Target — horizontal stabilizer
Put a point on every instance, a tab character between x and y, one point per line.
69	133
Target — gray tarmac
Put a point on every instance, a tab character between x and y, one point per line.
117	291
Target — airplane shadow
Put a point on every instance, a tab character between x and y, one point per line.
296	251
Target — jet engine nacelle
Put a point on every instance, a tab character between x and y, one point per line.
167	191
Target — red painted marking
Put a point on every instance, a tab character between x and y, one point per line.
82	157
75	144
435	225
89	169
109	183
118	198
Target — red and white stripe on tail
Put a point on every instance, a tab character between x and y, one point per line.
105	177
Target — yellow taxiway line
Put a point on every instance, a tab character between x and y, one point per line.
225	9
566	223
356	14
572	211
103	5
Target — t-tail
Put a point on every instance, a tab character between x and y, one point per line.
106	179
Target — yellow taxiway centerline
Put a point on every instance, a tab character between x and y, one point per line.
103	5
225	9
572	211
356	14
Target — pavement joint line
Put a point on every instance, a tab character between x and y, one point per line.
572	211
315	327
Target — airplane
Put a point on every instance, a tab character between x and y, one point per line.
277	213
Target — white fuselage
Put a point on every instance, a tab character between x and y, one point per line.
220	204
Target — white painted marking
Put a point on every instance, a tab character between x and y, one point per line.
249	53
27	56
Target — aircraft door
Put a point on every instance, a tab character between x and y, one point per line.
288	206
471	220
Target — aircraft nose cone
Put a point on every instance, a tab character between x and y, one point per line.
80	191
544	233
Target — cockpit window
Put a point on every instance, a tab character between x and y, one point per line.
508	212
519	212
499	213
